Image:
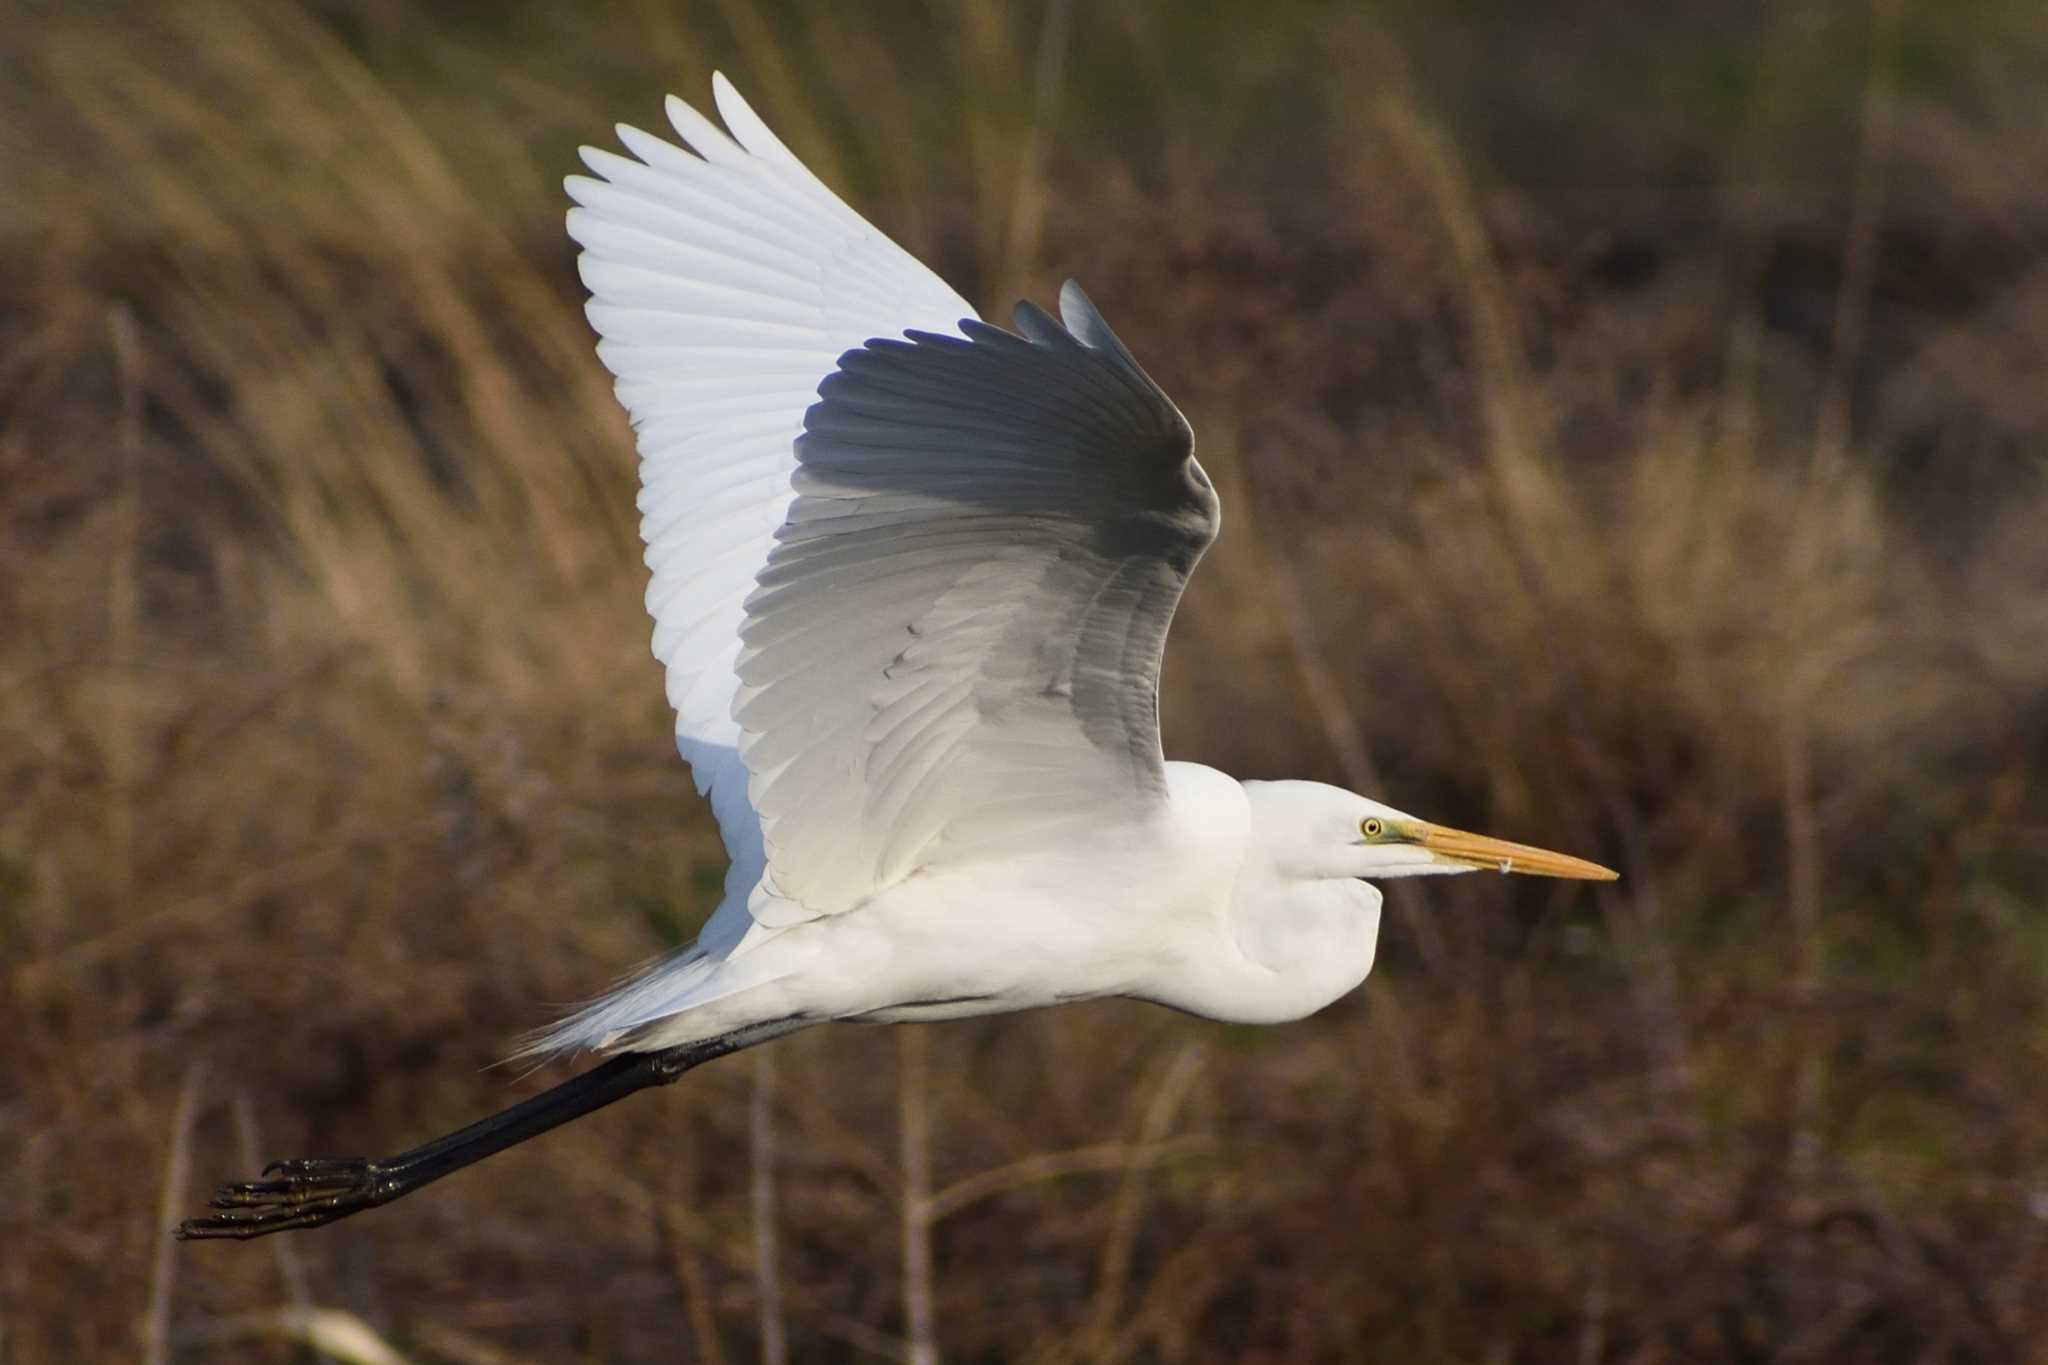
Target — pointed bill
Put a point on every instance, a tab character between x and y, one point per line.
1498	855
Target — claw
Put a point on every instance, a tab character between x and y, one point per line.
304	1192
319	1165
245	1223
298	1181
300	1193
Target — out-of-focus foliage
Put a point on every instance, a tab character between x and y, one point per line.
1632	435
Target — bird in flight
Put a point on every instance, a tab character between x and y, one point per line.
912	576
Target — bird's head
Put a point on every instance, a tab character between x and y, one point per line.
1313	831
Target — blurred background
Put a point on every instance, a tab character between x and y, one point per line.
1630	421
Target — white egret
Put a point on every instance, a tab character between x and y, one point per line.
912	576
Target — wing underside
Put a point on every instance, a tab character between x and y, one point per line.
956	641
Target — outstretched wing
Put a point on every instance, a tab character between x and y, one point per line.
725	285
956	641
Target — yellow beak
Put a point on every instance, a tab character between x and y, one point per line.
1477	850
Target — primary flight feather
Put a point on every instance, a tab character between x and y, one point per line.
912	576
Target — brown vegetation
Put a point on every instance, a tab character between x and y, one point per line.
1705	540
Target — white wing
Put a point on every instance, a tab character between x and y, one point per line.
961	618
725	285
957	639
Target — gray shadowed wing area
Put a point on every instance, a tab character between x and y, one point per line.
956	641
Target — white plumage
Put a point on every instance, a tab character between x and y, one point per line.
955	643
911	579
725	285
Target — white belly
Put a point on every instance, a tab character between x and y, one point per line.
1142	910
1017	934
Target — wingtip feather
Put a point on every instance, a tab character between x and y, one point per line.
703	137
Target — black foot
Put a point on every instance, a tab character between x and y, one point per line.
305	1193
313	1191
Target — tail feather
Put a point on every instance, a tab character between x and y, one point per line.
722	964
654	992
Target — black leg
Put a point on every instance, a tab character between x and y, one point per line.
308	1192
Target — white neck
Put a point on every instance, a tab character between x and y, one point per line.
1281	947
1311	942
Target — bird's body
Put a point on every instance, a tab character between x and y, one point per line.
912	576
1172	907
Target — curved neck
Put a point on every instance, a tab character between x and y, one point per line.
1270	946
1307	942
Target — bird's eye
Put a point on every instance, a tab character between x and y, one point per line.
1374	827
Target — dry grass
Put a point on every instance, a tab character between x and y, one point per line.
333	755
